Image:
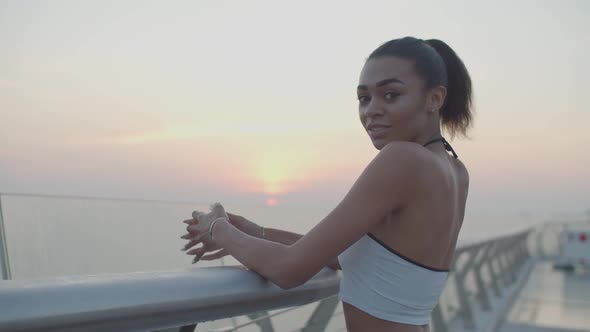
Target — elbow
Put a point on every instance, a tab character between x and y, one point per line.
287	276
287	282
286	270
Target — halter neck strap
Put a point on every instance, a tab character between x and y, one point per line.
446	144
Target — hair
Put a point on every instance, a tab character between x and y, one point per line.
437	64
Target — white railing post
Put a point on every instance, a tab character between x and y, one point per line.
321	315
494	272
262	320
465	311
482	291
438	322
4	261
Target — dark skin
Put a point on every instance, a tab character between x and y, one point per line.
410	197
426	229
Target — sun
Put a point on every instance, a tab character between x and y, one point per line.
271	201
275	171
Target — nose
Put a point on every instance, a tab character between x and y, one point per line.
372	109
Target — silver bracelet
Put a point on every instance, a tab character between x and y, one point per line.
211	227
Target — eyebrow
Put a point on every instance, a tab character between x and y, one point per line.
381	83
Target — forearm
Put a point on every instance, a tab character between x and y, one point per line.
281	236
270	234
288	238
274	235
267	258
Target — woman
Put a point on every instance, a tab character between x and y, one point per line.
394	233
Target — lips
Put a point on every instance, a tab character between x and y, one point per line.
377	129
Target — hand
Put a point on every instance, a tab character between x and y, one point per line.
245	225
198	232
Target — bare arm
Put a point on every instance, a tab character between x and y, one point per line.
288	238
387	183
272	234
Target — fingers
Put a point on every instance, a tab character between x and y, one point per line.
196	235
199	252
190	244
197	214
200	237
198	257
196	228
216	255
218	210
190	221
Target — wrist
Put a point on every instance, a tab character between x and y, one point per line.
215	223
237	222
262	232
246	226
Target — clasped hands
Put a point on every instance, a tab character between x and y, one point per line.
198	233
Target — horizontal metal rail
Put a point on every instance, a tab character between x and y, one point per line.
482	276
148	301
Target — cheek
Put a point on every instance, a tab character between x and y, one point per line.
410	105
362	117
401	111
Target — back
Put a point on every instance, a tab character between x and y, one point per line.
392	277
426	231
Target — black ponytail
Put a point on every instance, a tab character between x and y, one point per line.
438	64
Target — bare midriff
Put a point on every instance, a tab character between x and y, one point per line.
359	321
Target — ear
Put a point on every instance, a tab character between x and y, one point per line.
436	98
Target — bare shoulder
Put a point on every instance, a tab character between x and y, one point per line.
462	172
413	160
406	154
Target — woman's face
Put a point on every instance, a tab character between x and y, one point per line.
392	101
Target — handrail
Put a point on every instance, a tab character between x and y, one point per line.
148	300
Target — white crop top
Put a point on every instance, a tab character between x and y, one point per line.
387	285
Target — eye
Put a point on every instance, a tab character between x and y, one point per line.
390	95
363	99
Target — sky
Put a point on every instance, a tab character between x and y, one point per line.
255	100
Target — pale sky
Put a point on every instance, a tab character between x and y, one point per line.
196	100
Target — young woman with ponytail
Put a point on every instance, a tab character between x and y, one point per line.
394	233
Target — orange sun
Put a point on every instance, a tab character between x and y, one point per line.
271	201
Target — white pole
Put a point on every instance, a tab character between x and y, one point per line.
4	261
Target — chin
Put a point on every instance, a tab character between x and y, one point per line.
379	143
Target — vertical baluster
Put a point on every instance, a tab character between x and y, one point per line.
465	311
4	260
482	292
438	321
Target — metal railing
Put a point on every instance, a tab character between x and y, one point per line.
148	301
484	279
4	261
481	275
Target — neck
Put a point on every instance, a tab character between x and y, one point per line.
428	136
